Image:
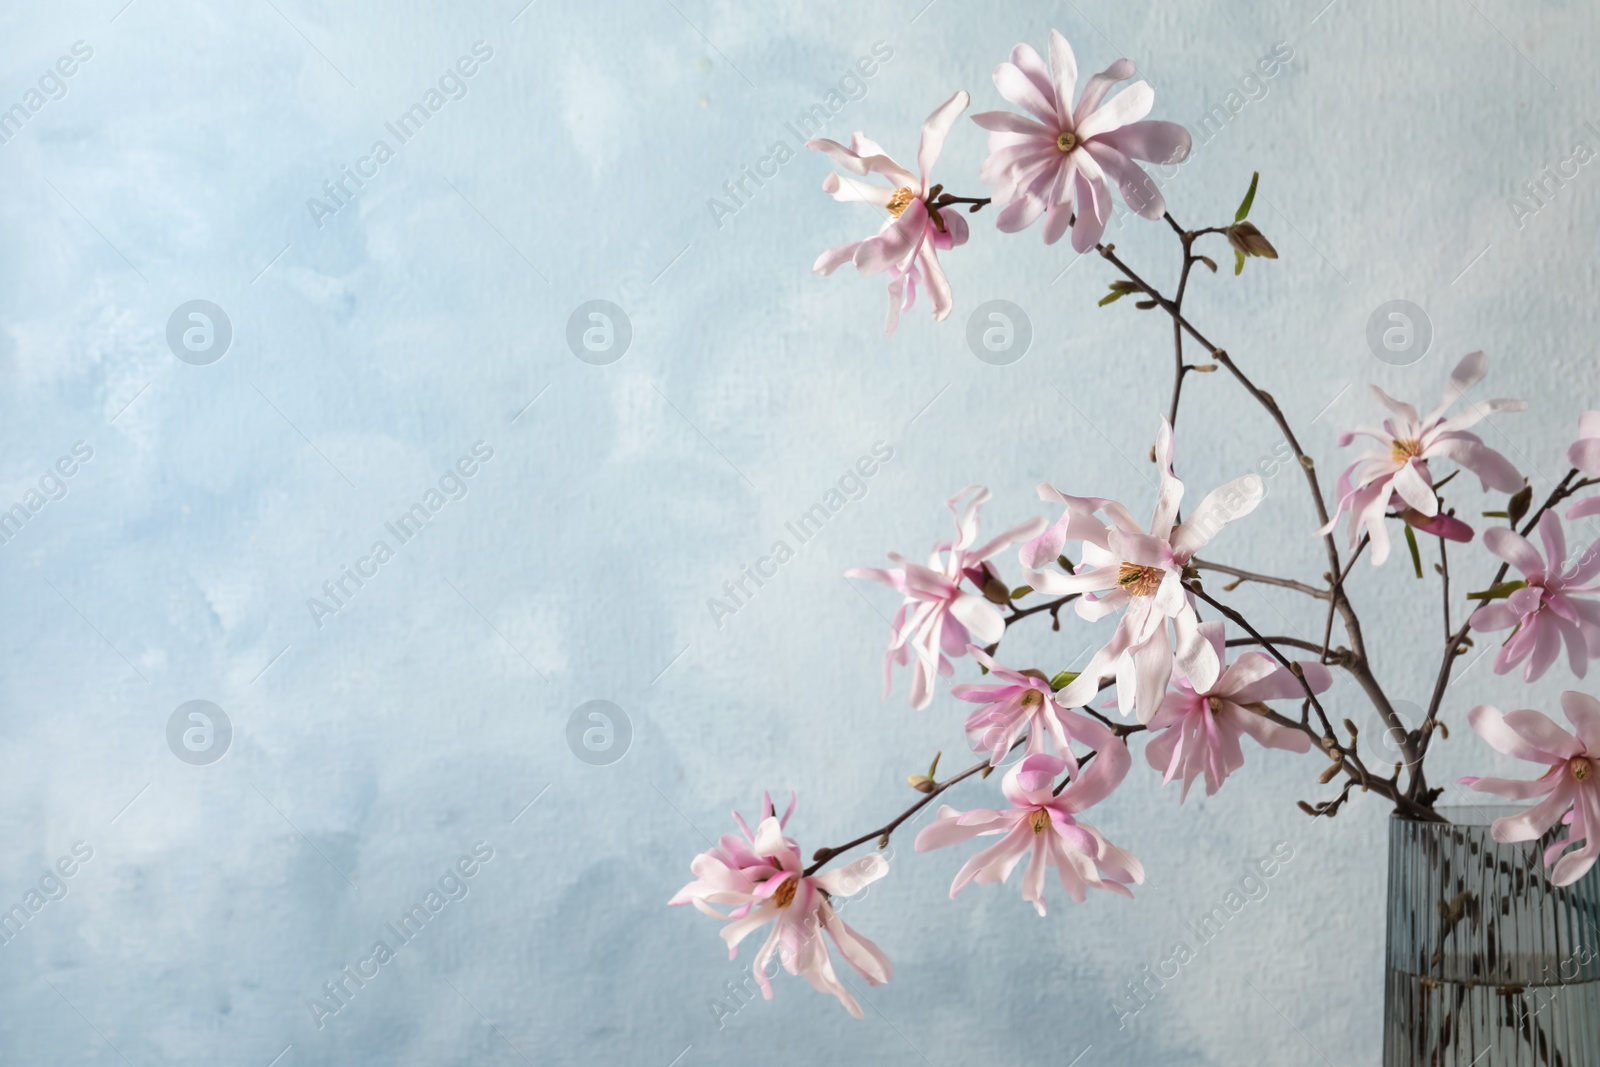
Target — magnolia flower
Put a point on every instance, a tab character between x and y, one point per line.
1020	704
1044	826
1397	471
1548	610
762	876
1199	728
1037	165
908	244
1140	574
1585	456
1571	787
939	619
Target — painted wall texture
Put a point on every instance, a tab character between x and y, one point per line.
395	217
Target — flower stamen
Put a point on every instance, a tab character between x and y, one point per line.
785	892
1032	699
1067	141
901	200
1581	767
1040	819
1405	449
1139	579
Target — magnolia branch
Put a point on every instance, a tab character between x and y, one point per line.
1345	758
1357	664
933	789
1455	644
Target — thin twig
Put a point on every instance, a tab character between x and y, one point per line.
1264	579
1333	594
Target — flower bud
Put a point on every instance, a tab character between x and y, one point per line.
1245	238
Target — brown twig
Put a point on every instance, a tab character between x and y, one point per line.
1263	579
1333	594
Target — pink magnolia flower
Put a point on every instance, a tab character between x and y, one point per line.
1585	456
1125	569
1397	471
1017	705
762	876
939	619
1549	609
1039	164
909	242
1198	729
1571	787
1044	826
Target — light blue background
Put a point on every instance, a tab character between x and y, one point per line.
371	352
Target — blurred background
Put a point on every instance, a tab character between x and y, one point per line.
243	346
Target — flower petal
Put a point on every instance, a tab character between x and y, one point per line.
1063	76
1129	105
935	130
1152	140
1018	88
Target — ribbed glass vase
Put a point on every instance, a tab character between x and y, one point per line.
1488	964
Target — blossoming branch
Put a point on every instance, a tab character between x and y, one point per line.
1190	671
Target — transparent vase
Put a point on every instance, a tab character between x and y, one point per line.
1488	964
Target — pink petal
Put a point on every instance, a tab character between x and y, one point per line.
896	245
1515	550
861	954
1531	824
1583	711
1018	88
1011	122
935	130
835	257
1542	734
1093	207
1064	76
1129	105
1095	91
1138	190
1415	490
1152	141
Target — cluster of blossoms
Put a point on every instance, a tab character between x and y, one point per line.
763	877
1169	665
1040	164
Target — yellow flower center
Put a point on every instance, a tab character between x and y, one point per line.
1138	579
785	894
1067	142
1404	450
1032	699
1039	819
1581	767
901	200
1214	704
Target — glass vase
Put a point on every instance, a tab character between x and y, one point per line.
1487	964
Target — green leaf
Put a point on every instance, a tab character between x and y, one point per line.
1416	554
1111	298
1021	591
1499	592
1249	198
1238	263
1062	680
